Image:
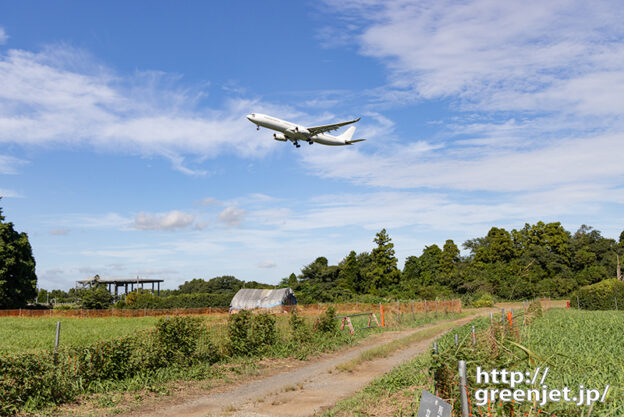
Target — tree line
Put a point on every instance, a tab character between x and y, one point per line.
541	259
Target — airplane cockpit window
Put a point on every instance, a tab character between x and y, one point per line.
253	114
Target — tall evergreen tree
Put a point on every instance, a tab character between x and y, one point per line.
18	280
383	272
349	274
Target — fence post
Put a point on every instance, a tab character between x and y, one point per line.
502	315
474	336
491	318
462	388
56	340
456	340
383	323
399	311
435	348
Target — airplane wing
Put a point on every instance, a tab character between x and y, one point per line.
328	128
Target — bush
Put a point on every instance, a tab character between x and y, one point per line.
535	309
250	334
177	337
96	297
239	333
600	296
485	300
31	379
264	333
327	322
298	329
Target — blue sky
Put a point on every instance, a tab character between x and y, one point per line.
124	148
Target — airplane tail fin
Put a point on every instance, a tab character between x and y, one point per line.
348	134
351	142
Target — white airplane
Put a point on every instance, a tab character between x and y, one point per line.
295	133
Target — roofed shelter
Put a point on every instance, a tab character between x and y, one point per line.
113	284
250	299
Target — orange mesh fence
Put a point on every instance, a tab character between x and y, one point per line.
392	309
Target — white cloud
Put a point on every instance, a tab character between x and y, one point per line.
556	65
169	221
59	232
209	201
9	193
3	36
9	164
63	96
267	264
475	49
417	165
232	216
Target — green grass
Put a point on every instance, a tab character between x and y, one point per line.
580	347
29	335
385	350
23	335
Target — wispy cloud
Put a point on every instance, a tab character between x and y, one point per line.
419	165
232	216
474	50
3	36
267	264
59	232
9	193
10	164
64	96
168	221
535	88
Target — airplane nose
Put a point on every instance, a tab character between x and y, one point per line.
250	117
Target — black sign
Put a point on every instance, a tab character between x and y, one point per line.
432	406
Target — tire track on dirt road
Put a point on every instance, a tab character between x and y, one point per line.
308	389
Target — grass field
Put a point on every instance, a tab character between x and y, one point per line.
30	335
36	334
580	348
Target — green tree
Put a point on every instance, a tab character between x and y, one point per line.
18	281
449	258
498	247
96	298
429	265
42	296
383	273
217	285
349	274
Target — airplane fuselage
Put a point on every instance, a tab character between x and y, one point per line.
293	132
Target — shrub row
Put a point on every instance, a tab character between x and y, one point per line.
605	295
34	379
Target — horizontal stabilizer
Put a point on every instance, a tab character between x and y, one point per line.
351	142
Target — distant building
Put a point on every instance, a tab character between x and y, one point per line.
113	284
250	299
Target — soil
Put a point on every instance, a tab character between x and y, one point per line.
302	389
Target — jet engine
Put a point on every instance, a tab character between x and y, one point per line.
279	136
302	130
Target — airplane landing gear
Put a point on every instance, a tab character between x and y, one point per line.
296	144
310	142
257	127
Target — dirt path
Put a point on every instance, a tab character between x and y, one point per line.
305	390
